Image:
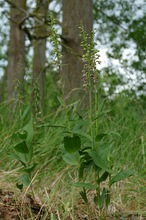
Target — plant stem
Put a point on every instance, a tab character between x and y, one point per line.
90	115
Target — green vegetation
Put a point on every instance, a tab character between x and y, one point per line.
71	152
73	142
121	129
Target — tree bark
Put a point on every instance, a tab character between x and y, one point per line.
75	12
39	58
16	51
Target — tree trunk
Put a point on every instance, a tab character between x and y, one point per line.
75	12
16	51
39	58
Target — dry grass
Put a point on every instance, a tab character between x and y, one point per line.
55	199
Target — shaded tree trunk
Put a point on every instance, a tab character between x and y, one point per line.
39	58
3	88
16	51
75	12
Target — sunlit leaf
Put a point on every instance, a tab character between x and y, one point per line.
71	159
98	160
19	158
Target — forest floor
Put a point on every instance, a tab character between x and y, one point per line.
14	207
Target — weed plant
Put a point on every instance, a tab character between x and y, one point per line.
70	152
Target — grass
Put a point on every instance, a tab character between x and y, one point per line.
52	177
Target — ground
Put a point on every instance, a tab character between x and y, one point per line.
20	207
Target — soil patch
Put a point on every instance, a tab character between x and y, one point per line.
13	207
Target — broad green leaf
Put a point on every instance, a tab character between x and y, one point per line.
104	151
98	160
19	158
71	159
14	156
22	148
29	129
23	159
84	185
72	144
121	176
100	136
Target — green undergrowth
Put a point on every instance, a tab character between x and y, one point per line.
51	178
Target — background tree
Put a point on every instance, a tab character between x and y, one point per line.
74	13
120	29
16	50
39	57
